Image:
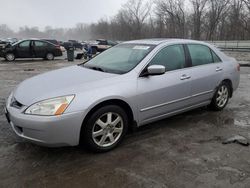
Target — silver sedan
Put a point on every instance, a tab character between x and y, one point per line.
129	85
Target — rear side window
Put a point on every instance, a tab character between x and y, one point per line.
215	57
40	44
172	57
200	54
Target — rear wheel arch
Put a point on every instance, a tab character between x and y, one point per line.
49	52
230	84
118	102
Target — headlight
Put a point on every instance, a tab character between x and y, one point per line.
50	107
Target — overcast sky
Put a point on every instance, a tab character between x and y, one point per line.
56	13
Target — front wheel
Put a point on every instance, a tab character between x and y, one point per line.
221	97
105	129
10	57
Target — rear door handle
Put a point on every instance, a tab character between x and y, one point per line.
185	77
218	69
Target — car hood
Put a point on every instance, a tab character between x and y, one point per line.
65	81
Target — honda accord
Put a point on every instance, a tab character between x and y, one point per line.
129	85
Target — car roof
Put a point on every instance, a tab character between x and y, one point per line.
157	41
34	39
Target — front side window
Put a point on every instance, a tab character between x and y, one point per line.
200	54
25	44
172	57
120	59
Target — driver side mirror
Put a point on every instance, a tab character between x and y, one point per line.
154	70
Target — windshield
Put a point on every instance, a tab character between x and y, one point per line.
120	59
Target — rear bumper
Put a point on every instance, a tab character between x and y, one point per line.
51	131
236	80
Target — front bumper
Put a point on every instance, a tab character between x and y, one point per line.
52	131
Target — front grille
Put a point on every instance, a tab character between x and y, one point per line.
14	103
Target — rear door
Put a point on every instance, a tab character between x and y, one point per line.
206	72
23	49
159	96
40	48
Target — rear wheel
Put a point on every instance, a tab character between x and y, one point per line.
221	97
50	56
105	129
10	57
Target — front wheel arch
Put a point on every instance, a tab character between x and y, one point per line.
10	53
125	106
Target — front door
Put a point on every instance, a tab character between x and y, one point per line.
23	49
162	95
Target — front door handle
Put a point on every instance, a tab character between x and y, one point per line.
185	77
218	69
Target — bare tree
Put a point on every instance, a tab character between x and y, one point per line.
246	17
247	3
5	31
197	19
235	25
197	16
138	12
217	9
172	14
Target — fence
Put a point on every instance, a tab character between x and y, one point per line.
240	45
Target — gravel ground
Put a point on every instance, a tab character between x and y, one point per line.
182	151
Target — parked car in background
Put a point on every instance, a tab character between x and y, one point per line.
3	43
131	84
53	41
101	45
76	44
31	48
6	42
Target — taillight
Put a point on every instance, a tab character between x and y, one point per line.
238	67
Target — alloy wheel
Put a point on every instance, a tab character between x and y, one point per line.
107	129
50	56
10	57
222	96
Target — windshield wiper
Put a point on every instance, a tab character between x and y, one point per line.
95	68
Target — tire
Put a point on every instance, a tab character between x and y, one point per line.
221	97
105	129
50	56
10	57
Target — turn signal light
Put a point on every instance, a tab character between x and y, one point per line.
61	109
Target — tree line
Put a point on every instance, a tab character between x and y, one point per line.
195	19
